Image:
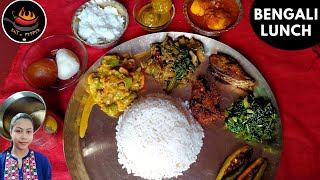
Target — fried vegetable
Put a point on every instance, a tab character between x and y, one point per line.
252	118
111	110
115	83
228	69
205	100
255	170
127	82
173	62
235	163
113	61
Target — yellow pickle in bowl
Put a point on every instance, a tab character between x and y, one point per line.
156	13
153	15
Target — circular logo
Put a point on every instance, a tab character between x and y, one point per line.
290	25
24	21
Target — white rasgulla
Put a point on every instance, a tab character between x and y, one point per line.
68	64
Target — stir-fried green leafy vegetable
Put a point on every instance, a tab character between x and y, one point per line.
252	118
183	64
173	62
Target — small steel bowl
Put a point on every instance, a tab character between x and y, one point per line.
101	3
22	102
210	33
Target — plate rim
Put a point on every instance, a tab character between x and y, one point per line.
74	165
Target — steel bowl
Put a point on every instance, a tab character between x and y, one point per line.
210	33
101	3
22	102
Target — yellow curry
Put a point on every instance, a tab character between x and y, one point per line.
156	13
115	84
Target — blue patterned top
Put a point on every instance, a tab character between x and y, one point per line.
35	166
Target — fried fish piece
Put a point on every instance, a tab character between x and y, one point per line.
227	69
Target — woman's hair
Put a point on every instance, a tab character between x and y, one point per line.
18	117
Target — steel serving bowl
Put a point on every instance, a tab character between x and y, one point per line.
211	33
22	102
101	3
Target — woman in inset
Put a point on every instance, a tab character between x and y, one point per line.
18	161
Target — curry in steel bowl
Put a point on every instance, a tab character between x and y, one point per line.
212	17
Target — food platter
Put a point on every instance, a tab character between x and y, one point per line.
95	156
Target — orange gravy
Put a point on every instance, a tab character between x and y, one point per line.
230	6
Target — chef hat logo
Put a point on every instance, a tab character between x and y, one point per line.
24	21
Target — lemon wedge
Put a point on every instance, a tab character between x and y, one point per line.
51	125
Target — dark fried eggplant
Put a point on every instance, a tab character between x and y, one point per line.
227	69
255	170
235	163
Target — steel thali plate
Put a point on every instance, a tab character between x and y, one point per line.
95	156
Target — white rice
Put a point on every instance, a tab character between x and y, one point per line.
100	25
157	137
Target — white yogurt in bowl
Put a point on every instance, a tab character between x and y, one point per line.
100	23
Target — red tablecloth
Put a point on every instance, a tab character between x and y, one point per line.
294	77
